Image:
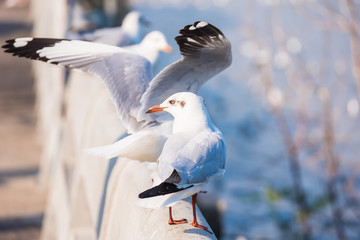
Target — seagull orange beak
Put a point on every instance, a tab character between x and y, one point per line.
167	49
156	108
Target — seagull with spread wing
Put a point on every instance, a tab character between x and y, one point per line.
128	77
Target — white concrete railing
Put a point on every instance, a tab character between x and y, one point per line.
90	198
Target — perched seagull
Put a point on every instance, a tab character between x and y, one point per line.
127	34
128	77
192	156
150	46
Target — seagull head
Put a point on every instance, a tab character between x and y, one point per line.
189	112
180	103
156	40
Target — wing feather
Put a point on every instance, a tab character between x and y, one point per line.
196	160
201	159
126	75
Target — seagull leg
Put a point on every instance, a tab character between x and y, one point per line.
172	221
194	222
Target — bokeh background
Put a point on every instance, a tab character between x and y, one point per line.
288	107
22	202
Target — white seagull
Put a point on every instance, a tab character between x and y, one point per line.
128	77
127	34
192	156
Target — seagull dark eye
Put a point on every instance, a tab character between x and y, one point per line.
172	102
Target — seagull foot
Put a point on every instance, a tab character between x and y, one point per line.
173	222
201	227
203	192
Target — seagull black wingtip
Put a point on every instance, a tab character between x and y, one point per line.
161	189
8	44
197	36
206	29
30	47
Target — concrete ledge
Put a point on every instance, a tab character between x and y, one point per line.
128	179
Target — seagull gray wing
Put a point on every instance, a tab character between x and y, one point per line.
205	52
195	160
126	75
201	159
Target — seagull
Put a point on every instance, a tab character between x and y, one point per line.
128	77
126	34
192	156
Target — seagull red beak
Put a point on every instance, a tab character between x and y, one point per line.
167	49
156	108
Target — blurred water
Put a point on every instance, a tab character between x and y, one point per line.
278	34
